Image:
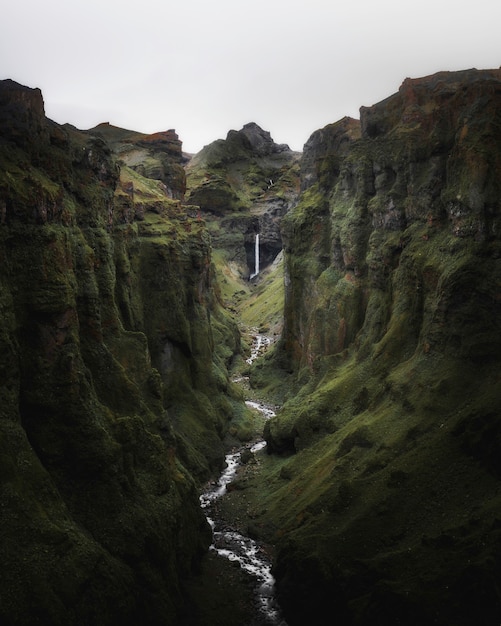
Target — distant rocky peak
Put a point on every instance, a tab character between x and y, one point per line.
260	140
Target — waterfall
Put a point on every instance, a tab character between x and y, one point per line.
256	257
256	271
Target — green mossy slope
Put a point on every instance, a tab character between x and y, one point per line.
114	389
385	500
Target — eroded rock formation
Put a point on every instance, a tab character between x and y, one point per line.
388	508
112	349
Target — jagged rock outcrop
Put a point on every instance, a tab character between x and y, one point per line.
260	140
113	354
244	185
388	509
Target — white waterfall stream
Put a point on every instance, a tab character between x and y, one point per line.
256	257
233	545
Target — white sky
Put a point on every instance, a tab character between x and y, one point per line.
204	67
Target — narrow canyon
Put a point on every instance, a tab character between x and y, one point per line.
294	352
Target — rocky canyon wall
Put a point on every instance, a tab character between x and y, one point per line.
388	504
412	189
114	391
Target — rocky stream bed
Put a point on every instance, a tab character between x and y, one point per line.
236	584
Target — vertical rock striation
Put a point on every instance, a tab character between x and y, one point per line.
108	329
392	330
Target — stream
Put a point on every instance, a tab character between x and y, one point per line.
231	544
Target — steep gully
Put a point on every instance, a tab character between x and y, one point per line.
228	542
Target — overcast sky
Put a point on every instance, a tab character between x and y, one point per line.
204	67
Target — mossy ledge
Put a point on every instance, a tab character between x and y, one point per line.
114	394
383	489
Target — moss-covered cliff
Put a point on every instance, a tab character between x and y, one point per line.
113	390
387	502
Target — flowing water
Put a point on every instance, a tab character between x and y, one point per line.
234	546
259	345
256	258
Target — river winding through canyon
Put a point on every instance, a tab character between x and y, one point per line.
230	543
